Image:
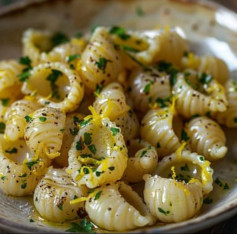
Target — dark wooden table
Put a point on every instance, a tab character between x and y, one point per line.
226	227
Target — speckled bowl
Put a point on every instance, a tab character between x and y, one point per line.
211	29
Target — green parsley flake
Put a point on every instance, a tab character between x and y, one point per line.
59	38
139	11
102	63
226	186
130	49
97	196
52	78
79	145
72	57
31	163
3	177
93	28
5	101
87	138
185	167
74	131
28	118
42	119
99	88
86	155
218	182
31	220
147	88
85	122
208	113
24	76
162	211
158	145
23	175
143	153
76	120
11	151
120	32
25	61
235	119
115	131
24	185
205	78
201	158
111	168
207	200
184	135
92	148
83	226
2	127
86	171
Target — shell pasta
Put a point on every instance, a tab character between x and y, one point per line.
115	129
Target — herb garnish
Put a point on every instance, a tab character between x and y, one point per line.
162	211
97	196
59	38
42	119
5	101
31	163
87	138
72	57
205	78
11	151
2	127
92	148
120	32
184	135
102	63
207	200
83	226
52	78
115	131
28	118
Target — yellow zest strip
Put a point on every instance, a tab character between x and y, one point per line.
179	151
89	160
80	42
167	28
193	61
180	185
98	95
95	115
81	173
206	176
51	155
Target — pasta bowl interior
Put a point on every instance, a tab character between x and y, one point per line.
50	91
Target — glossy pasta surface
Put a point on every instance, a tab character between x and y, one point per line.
86	119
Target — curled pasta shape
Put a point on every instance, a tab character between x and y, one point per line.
161	128
10	85
207	138
60	87
142	159
62	52
35	42
53	194
111	102
4	106
118	208
148	88
16	118
44	132
191	102
98	154
159	45
69	132
172	201
188	167
208	64
100	62
19	172
229	117
129	125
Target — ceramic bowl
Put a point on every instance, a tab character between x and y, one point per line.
211	29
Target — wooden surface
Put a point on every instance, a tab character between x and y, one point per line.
227	227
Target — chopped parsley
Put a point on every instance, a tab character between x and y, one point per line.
97	196
87	138
111	168
129	49
207	200
92	148
184	135
74	131
76	120
115	131
83	226
52	78
102	63
31	163
208	113
59	38
162	211
195	116
60	205
163	102
85	122
72	57
185	167
24	185
82	213
147	88
32	220
2	127
86	155
5	101
235	119
86	171
3	177
23	175
24	76
28	118
139	11
226	186
205	78
201	158
218	182
25	61
99	88
120	32
158	145
93	28
143	153
79	145
11	151
42	119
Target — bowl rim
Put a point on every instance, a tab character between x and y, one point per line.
210	220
